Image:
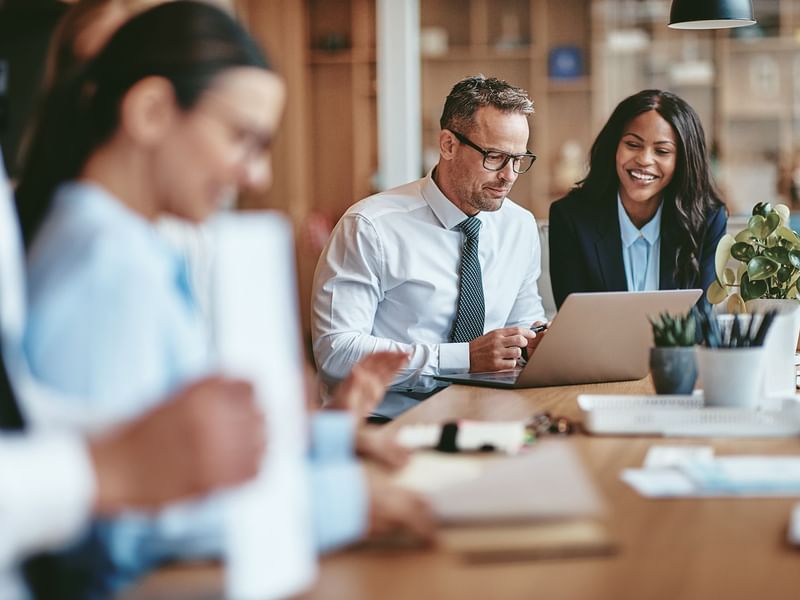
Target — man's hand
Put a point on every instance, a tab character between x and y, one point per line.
392	508
499	350
366	385
540	329
374	443
208	436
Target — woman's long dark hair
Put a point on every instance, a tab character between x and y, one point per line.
691	193
188	43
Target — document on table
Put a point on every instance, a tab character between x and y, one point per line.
696	473
548	482
538	504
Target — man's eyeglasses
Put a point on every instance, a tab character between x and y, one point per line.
494	160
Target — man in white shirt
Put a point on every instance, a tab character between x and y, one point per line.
444	268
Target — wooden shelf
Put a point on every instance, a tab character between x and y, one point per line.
579	84
341	57
470	53
774	44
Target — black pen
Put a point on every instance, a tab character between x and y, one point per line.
534	329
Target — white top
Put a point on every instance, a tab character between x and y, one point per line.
642	260
47	483
47	488
388	279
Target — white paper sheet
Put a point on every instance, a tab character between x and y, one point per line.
269	546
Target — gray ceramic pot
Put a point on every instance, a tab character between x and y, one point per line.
674	370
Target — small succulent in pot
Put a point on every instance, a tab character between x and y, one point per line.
672	360
670	331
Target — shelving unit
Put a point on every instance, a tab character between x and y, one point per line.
748	97
326	154
511	39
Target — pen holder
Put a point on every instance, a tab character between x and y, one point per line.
779	345
731	377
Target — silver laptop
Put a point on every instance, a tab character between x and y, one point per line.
595	337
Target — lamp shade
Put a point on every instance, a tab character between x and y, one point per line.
710	14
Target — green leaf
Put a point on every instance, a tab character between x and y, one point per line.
723	255
741	270
788	235
762	209
773	220
794	258
784	274
716	293
761	267
750	290
778	254
742	251
744	235
758	226
728	277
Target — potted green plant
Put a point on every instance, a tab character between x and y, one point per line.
758	270
672	359
766	257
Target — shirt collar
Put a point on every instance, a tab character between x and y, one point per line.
449	214
630	233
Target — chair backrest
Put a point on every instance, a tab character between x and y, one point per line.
545	287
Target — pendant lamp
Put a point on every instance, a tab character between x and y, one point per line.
710	14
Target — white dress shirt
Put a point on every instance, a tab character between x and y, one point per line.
641	250
388	279
47	483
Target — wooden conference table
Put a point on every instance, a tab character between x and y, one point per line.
671	549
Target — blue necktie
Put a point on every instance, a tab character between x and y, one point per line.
470	313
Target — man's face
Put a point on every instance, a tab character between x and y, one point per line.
477	188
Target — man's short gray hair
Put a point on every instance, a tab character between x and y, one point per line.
477	91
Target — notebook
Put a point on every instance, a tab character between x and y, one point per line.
594	337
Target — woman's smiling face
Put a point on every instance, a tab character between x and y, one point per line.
646	156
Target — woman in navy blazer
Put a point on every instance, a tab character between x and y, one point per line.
649	160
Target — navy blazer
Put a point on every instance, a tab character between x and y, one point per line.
586	246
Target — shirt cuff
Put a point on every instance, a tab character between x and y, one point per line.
332	436
47	490
340	504
454	358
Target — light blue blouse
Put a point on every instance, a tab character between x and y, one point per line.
641	250
113	321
